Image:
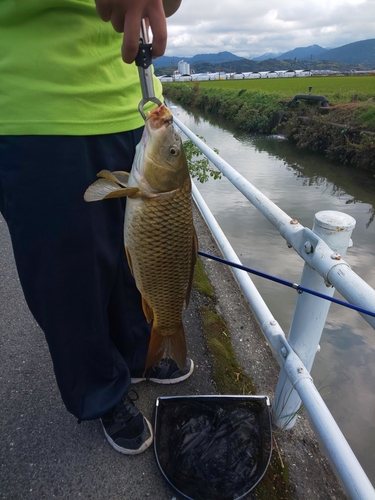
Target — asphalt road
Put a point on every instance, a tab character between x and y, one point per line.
46	454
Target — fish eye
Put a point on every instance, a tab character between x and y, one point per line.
174	151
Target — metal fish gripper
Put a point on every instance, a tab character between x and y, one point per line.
144	62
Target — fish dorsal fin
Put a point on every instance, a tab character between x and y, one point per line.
118	177
103	189
194	255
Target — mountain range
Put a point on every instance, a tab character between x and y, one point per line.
357	53
218	58
299	53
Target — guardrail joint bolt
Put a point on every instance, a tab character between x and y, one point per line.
336	256
308	247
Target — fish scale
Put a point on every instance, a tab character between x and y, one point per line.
160	241
164	248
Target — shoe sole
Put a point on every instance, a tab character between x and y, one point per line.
126	451
166	381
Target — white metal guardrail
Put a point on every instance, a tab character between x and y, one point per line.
322	249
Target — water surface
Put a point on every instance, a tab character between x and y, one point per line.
302	184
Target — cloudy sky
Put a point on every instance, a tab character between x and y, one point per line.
249	28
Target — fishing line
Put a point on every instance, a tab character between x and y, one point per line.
289	284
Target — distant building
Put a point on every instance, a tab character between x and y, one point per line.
184	68
182	76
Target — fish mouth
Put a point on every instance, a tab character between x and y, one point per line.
160	117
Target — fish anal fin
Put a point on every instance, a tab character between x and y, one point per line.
129	259
148	312
167	346
194	256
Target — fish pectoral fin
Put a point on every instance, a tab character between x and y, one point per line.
106	174
129	192
147	311
122	177
194	256
103	189
167	346
133	192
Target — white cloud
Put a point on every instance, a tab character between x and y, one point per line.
249	28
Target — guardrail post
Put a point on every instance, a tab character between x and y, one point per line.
310	314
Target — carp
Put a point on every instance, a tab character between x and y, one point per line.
160	240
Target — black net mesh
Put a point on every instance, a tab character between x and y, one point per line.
213	447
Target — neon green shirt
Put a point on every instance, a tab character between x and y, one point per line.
61	71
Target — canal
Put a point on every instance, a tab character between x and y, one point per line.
302	184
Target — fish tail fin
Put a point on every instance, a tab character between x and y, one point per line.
167	346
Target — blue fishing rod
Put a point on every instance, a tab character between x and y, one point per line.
295	286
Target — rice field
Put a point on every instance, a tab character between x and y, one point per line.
337	89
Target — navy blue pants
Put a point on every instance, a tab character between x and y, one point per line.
71	262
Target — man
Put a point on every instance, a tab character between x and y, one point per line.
69	108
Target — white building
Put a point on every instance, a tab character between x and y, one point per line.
303	72
251	74
184	68
200	77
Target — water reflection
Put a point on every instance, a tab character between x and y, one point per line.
302	184
315	170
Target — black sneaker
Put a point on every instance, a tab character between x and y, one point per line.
167	372
126	429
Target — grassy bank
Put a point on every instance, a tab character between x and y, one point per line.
344	131
230	378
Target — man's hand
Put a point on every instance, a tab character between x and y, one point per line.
126	17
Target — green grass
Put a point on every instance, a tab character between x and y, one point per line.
337	89
343	132
230	378
201	281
